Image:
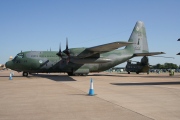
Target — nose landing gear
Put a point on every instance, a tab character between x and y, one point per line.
25	74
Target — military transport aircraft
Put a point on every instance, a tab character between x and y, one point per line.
81	61
138	67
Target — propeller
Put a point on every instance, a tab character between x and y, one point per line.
66	43
59	53
66	51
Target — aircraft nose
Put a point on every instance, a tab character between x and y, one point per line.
8	64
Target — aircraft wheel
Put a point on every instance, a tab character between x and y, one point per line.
128	72
70	73
76	74
25	74
137	72
85	74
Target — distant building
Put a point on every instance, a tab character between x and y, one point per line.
10	58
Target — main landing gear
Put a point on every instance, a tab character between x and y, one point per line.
25	74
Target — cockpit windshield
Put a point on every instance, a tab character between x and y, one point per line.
20	55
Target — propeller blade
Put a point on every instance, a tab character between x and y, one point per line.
67	49
66	44
59	53
60	48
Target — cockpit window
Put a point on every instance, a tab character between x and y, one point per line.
20	55
14	58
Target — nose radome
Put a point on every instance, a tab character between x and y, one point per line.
7	64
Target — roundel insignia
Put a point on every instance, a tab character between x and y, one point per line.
40	61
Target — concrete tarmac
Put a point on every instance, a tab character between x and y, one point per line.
117	96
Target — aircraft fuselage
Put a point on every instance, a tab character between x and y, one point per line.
84	60
48	61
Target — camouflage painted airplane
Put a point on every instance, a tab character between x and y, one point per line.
81	61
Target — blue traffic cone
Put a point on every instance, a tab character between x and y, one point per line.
10	76
91	90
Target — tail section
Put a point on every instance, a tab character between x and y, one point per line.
138	37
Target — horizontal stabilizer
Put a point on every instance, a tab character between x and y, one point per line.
163	57
148	54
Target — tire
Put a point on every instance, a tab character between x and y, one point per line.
70	73
25	74
85	74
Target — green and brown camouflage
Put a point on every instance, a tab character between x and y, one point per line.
81	61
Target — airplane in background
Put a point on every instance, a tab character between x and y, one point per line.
138	67
2	67
81	61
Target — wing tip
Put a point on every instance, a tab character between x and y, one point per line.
178	53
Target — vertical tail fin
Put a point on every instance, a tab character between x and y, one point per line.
138	36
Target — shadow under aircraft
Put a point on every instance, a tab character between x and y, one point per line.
81	61
147	83
57	78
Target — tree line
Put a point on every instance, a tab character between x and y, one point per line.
165	66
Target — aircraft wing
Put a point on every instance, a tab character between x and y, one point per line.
148	53
108	47
102	48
